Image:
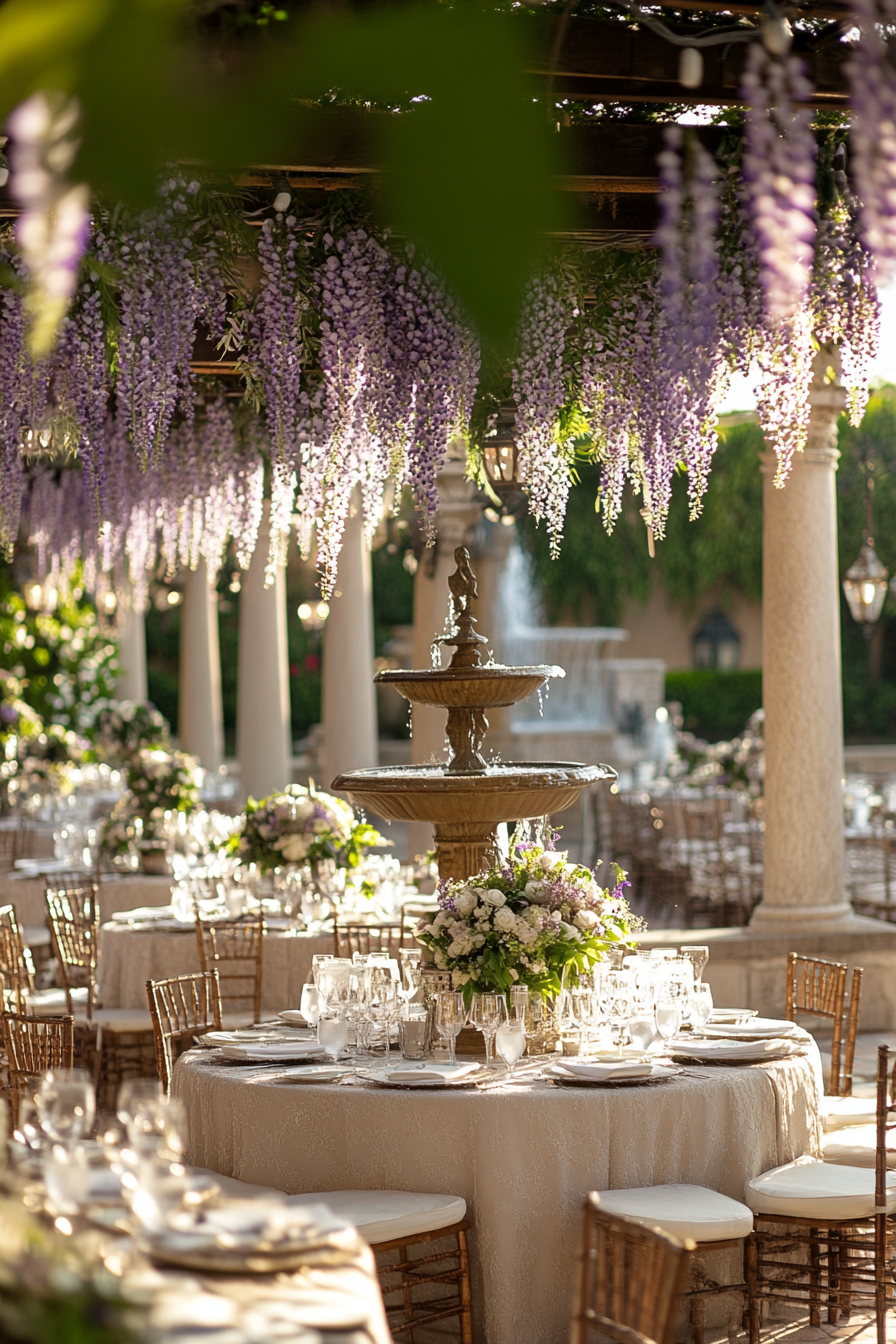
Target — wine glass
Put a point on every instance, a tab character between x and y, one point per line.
384	1001
488	1013
701	1004
157	1125
668	1016
66	1104
450	1018
332	1033
310	1005
698	953
409	961
511	1042
617	997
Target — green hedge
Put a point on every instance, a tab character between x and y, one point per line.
715	705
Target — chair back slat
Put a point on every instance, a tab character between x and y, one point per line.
367	938
74	920
235	949
33	1045
629	1280
182	1008
18	975
849	1043
818	988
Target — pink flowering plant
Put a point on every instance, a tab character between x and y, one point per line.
302	825
529	920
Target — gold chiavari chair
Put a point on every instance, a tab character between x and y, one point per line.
367	938
182	1008
33	1045
817	988
629	1280
823	1233
234	948
17	975
116	1043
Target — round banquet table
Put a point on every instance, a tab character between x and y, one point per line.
523	1156
129	955
26	893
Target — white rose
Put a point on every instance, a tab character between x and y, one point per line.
524	932
550	859
293	848
568	931
465	901
440	960
532	916
494	897
442	918
535	892
505	919
458	928
482	912
585	919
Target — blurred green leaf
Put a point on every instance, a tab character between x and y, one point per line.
41	43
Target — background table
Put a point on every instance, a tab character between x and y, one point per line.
128	956
116	893
523	1157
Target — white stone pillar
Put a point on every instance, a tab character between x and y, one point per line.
201	717
349	699
264	736
803	888
131	649
457	513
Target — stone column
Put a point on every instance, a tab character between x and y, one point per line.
349	699
264	736
801	680
131	649
457	513
201	718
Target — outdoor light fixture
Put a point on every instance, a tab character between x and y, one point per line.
313	617
40	596
500	459
865	584
717	644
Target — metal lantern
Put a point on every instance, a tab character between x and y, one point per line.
865	584
500	453
716	643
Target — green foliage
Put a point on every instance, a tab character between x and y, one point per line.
715	705
66	663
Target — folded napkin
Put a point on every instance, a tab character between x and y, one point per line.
143	914
246	1037
603	1072
430	1073
248	1224
730	1049
294	1016
272	1050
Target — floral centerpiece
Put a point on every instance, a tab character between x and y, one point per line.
302	825
127	727
527	921
39	760
162	781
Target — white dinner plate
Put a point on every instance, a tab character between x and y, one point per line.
722	1015
242	1036
660	1073
731	1053
294	1017
381	1078
756	1029
313	1073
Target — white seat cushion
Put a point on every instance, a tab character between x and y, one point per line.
233	1188
811	1188
385	1215
841	1112
52	1001
682	1211
853	1147
122	1019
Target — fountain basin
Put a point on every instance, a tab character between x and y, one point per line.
469	687
465	810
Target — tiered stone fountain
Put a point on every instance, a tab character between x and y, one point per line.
468	797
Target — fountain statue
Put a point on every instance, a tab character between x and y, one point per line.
468	797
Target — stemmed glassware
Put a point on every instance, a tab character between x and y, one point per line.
617	998
450	1018
66	1104
383	1001
698	953
488	1012
668	1014
701	1005
332	1032
511	1043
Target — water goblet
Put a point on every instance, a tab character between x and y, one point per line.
617	997
157	1125
488	1012
450	1018
310	1006
511	1042
332	1033
698	954
642	1028
66	1104
67	1176
668	1016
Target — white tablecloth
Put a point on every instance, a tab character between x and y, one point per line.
116	893
523	1157
129	956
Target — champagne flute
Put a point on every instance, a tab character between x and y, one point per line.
511	1042
488	1013
450	1018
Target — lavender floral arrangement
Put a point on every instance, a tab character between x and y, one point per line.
302	825
124	728
525	922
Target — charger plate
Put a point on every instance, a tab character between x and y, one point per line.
379	1079
664	1075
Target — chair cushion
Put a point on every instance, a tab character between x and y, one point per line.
682	1211
853	1147
811	1188
385	1215
233	1188
44	1001
841	1112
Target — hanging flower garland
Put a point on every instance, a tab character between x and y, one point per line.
871	71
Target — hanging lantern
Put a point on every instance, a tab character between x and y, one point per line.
865	584
500	453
